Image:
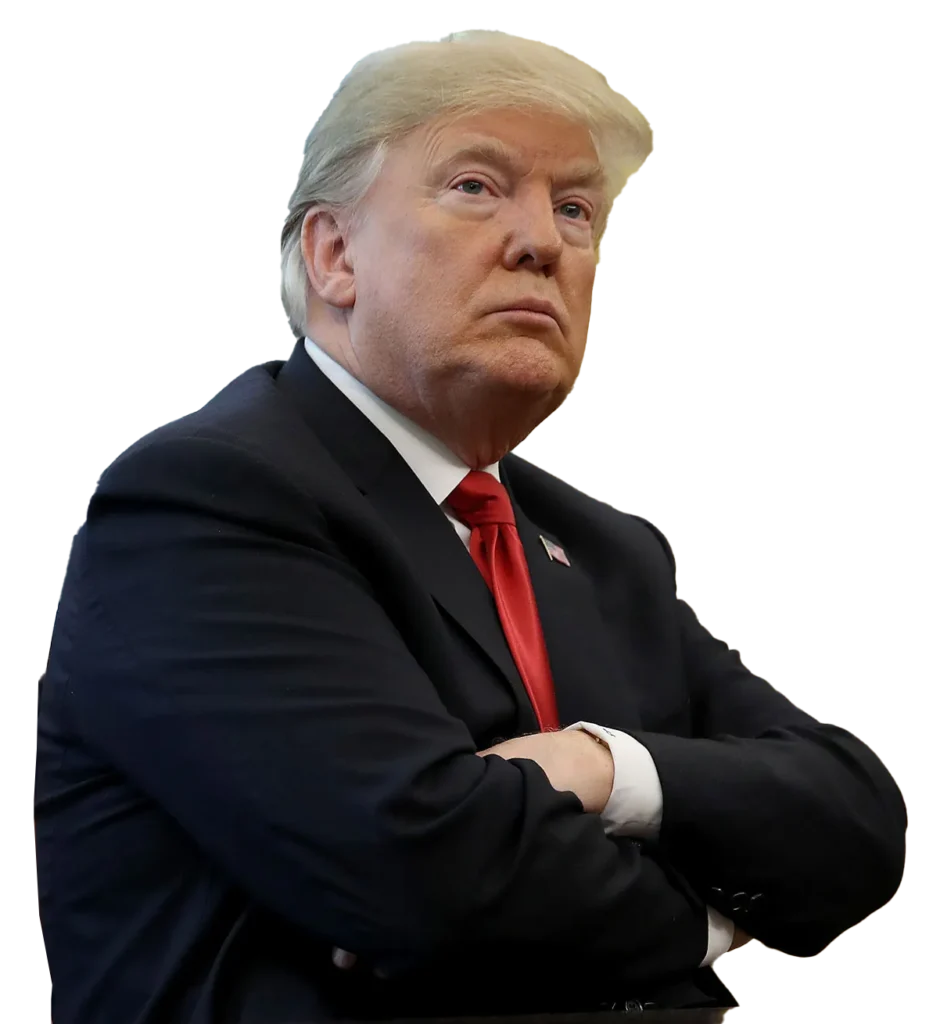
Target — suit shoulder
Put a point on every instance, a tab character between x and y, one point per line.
227	423
562	508
180	458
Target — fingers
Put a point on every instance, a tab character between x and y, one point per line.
345	960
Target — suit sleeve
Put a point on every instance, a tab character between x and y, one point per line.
792	827
240	670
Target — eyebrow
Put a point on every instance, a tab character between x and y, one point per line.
495	153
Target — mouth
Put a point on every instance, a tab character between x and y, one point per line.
533	304
530	316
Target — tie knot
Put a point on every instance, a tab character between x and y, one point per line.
480	498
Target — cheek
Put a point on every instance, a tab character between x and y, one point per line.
420	267
582	295
441	281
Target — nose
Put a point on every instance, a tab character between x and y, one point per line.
533	233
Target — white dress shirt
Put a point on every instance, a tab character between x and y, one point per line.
635	805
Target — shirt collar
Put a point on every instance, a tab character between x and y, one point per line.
431	461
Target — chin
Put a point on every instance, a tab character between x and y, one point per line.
537	384
520	363
535	356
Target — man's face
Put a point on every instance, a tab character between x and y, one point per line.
449	240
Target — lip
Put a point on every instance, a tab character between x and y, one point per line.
532	305
532	316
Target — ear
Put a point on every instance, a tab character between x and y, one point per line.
326	257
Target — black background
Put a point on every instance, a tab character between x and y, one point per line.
733	394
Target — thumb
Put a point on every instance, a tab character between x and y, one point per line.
343	959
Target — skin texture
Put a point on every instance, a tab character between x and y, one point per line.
573	762
404	297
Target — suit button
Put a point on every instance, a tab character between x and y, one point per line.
632	1006
740	902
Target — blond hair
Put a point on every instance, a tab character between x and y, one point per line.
391	92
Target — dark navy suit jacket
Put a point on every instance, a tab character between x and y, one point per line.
272	663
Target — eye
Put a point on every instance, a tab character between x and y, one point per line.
471	181
578	207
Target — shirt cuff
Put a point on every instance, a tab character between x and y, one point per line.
635	805
720	936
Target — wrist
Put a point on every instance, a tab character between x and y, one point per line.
600	766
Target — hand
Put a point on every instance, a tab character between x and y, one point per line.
574	762
345	961
740	938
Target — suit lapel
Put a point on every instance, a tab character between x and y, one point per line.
588	678
588	675
448	571
402	503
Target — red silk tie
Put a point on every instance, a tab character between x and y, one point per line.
482	502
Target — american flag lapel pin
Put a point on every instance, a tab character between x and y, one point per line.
554	551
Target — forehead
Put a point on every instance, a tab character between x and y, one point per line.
514	140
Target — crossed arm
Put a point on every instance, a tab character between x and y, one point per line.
573	761
576	762
241	671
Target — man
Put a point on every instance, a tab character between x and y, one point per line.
349	711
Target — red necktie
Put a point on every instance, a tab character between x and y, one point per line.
482	502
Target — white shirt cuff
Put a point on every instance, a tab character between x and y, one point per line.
635	806
720	936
